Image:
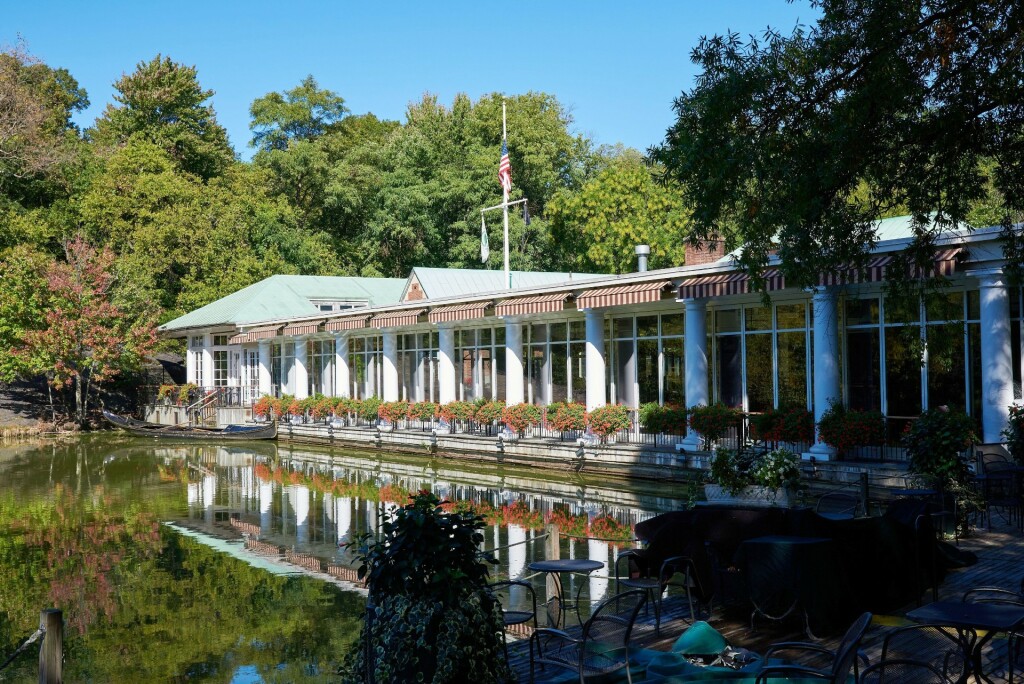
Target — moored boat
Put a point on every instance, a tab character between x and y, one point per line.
240	432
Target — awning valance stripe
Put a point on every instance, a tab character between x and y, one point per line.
621	295
521	306
394	319
725	284
876	269
255	334
347	323
458	312
304	328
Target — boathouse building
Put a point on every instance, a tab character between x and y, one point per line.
688	335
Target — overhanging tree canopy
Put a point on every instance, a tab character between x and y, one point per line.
798	143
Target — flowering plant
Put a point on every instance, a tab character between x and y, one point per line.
424	410
570	416
936	445
186	391
668	419
712	422
393	411
280	405
263	406
165	391
489	412
1014	433
736	470
842	428
295	408
367	408
456	410
609	419
793	425
520	416
776	469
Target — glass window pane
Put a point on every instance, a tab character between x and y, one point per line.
730	371
485	337
759	318
672	324
675	378
790	316
727	320
557	332
901	311
792	370
946	379
945	306
862	311
903	373
623	328
759	373
647	370
538	333
559	372
499	336
974	305
577	331
864	353
578	369
646	326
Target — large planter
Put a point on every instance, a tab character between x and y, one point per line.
753	496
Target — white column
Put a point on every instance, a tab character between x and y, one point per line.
343	378
207	361
301	374
266	506
996	354
826	363
596	379
265	381
390	371
516	551
514	387
191	358
598	581
446	363
301	494
695	362
344	516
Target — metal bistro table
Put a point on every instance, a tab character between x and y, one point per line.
554	569
987	617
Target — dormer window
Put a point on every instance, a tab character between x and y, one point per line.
329	306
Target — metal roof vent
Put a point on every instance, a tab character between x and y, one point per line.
642	252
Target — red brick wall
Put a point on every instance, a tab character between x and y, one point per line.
710	251
415	292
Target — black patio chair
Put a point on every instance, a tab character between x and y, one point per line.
903	671
637	574
943	648
514	611
603	645
828	665
838	506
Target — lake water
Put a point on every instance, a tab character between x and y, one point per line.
140	543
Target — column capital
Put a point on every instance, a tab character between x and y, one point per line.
822	291
694	301
989	277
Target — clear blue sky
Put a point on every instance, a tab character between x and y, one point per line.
616	65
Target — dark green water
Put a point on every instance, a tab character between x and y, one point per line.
138	543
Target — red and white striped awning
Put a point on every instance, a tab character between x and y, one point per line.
622	295
304	328
394	319
876	268
347	323
520	306
725	284
459	312
255	334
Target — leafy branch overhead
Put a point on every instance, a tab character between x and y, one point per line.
799	142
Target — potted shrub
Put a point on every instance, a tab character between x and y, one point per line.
368	409
667	419
489	413
520	416
296	409
263	407
568	417
712	422
792	425
752	479
605	421
1014	434
187	393
430	616
393	411
422	411
457	412
843	429
164	394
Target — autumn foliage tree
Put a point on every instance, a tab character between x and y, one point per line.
83	338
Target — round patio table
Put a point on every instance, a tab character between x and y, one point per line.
554	569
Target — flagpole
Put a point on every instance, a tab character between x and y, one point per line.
504	194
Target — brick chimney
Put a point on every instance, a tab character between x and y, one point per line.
704	252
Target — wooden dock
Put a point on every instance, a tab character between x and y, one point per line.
1000	563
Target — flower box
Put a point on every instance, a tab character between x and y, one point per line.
751	495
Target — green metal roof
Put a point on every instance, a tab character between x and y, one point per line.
455	282
282	297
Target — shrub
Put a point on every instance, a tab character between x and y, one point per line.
936	443
569	416
165	392
457	410
735	470
423	410
793	425
668	419
393	411
296	408
609	419
843	429
489	412
319	406
1014	434
344	405
551	410
186	392
776	469
730	470
520	416
368	408
712	422
280	405
263	406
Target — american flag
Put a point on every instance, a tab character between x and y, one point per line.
505	168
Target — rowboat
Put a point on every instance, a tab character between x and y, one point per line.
144	429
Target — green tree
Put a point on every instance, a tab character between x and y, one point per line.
303	113
163	103
22	305
910	98
83	338
597	227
